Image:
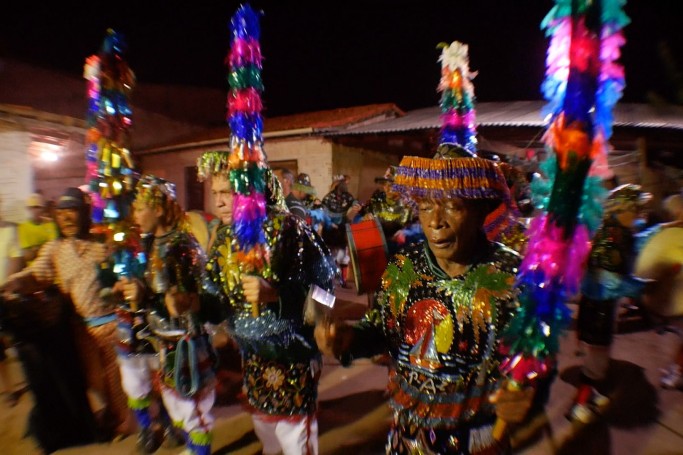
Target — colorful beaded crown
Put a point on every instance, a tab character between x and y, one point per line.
467	178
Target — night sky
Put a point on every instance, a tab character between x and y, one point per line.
332	54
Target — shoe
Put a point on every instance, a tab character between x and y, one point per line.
589	406
672	378
149	440
173	437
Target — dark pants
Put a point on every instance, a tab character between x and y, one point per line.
61	416
595	322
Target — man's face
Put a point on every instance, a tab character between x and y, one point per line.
284	182
628	217
222	198
68	221
300	195
147	217
36	212
450	225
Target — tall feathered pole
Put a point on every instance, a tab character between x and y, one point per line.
583	83
247	159
110	171
458	116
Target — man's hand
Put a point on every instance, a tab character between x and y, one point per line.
333	339
399	237
257	290
131	289
512	406
352	212
9	288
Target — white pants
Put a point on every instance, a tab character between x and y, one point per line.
341	256
287	436
136	374
193	412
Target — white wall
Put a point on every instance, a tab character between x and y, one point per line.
16	175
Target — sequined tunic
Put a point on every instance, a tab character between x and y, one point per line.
392	214
176	259
336	205
278	350
443	335
607	278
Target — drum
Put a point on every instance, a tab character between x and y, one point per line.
661	261
369	254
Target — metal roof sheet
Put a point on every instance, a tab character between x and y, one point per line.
519	113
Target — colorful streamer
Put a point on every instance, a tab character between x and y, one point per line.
458	117
247	159
109	164
583	83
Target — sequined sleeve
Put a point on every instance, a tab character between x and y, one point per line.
613	249
378	332
187	263
300	260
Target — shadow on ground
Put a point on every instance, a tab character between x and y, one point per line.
633	403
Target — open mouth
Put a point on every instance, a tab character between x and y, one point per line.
442	243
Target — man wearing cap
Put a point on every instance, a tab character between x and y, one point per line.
37	230
72	262
342	208
608	279
292	199
302	189
394	212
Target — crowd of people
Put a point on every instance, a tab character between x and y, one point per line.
142	356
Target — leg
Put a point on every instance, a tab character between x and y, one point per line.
136	381
298	437
115	397
194	414
595	327
265	430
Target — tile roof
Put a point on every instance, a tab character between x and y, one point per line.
341	117
318	121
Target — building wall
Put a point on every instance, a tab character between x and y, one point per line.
171	166
363	166
313	157
16	175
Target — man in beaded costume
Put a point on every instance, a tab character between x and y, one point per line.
608	278
440	312
169	297
280	359
444	304
341	207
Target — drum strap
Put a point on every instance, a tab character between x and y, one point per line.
186	356
97	321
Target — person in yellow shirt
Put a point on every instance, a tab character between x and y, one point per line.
37	230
